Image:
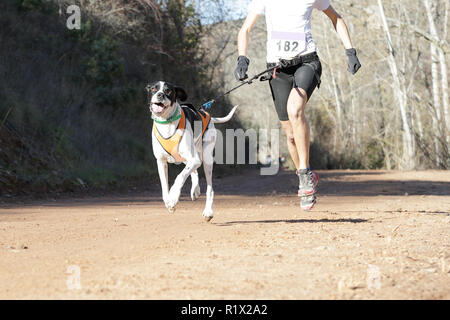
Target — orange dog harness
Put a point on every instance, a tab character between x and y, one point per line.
170	145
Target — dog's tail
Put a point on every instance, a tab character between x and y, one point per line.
226	118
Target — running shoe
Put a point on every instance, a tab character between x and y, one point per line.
308	202
308	181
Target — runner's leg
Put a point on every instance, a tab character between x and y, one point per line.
290	141
281	87
306	79
301	130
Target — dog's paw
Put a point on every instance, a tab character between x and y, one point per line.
208	214
195	193
169	206
171	209
173	199
207	219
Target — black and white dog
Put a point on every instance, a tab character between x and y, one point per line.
182	134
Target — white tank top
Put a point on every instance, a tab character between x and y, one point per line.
288	26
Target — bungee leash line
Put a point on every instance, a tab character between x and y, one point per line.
209	104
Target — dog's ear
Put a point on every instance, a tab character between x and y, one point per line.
181	94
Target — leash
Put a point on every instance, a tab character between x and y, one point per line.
209	104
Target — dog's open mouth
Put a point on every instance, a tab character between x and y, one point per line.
158	108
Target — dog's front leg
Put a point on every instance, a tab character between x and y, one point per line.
175	190
163	177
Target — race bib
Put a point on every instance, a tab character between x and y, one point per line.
286	44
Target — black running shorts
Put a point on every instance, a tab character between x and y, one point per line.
305	76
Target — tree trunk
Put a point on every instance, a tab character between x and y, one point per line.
338	136
438	56
409	149
436	115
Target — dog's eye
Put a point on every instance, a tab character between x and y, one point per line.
168	92
153	90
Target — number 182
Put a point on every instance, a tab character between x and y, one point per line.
287	45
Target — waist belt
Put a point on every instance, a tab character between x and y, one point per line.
298	60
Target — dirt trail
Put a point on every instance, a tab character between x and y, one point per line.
373	235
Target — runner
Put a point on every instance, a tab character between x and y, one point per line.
290	44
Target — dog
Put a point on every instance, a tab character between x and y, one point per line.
182	134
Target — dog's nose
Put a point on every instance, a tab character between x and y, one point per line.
160	95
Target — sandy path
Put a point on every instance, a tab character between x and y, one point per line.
376	235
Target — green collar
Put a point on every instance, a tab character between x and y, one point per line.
172	118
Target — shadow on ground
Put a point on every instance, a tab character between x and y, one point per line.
346	220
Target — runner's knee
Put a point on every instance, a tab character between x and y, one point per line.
296	112
296	105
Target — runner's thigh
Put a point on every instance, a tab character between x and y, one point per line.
307	76
281	87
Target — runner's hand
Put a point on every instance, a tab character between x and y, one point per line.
353	61
241	71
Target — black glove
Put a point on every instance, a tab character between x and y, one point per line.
353	62
241	71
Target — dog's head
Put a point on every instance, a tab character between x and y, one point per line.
162	98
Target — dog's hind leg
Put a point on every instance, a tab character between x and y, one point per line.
195	189
208	213
208	162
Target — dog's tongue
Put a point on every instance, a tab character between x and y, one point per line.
158	108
